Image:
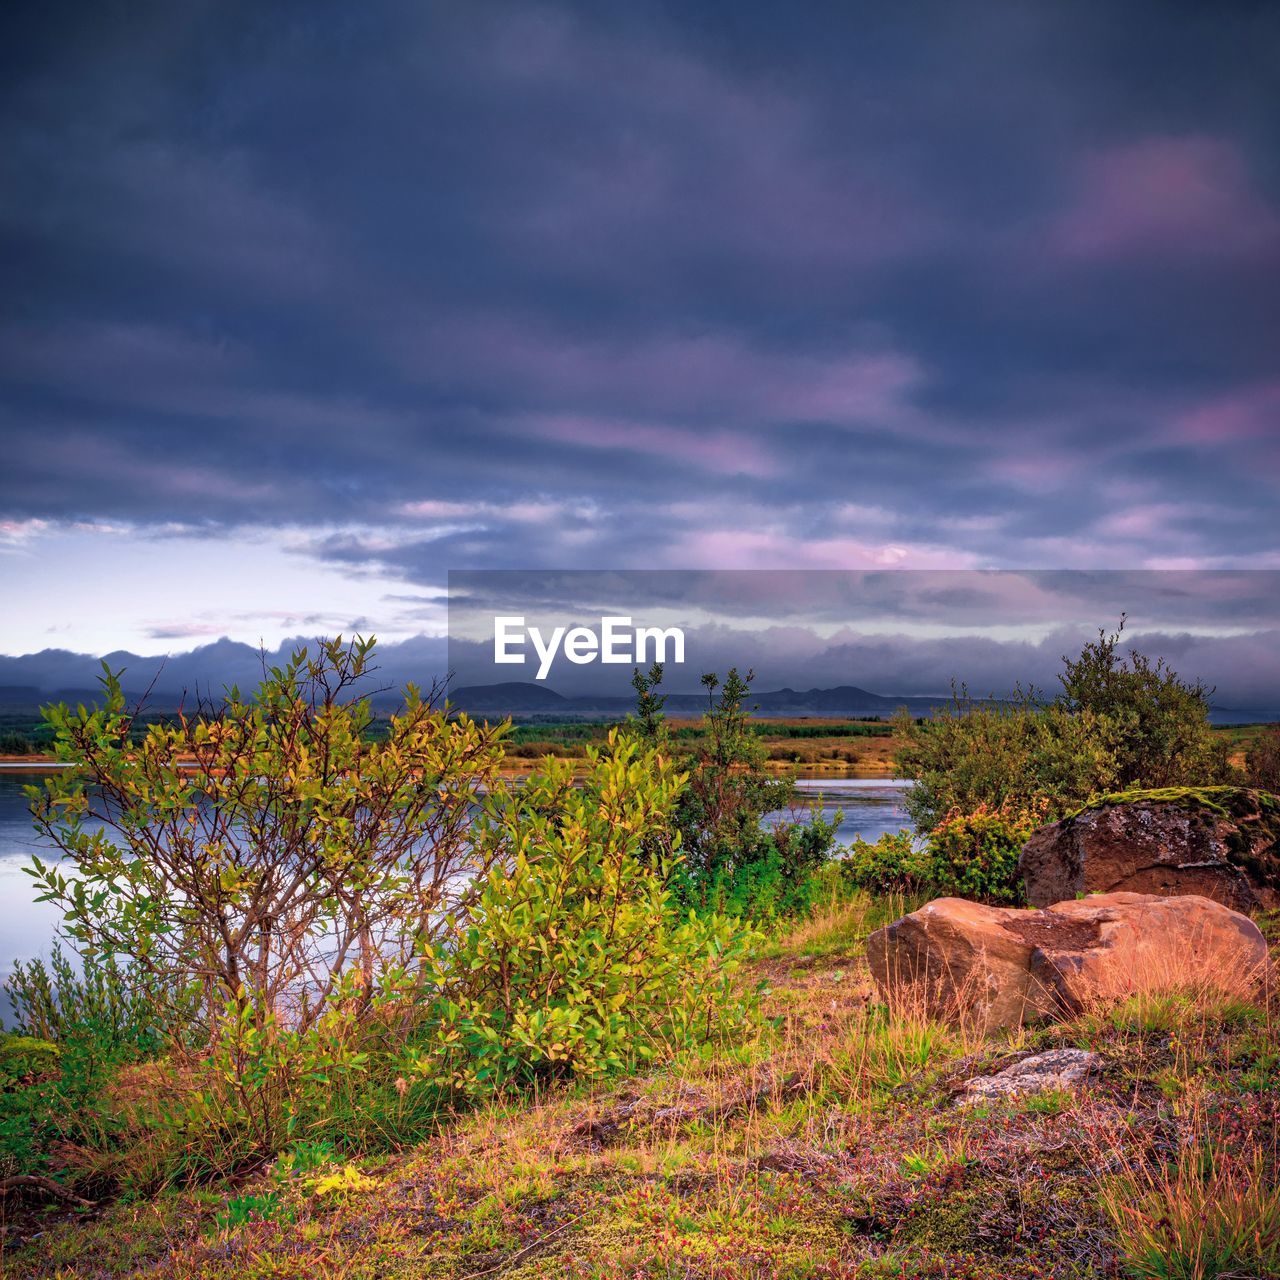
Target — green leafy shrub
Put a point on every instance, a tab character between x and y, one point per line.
52	1102
1119	722
23	1058
266	1081
572	961
89	1022
1262	759
779	882
117	1004
1018	752
897	863
731	861
975	854
967	855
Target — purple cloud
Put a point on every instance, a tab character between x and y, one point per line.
1159	196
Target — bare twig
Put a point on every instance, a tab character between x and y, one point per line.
521	1254
34	1182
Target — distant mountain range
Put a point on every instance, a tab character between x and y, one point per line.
61	675
58	675
516	698
527	699
55	675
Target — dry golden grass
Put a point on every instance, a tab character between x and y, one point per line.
825	1147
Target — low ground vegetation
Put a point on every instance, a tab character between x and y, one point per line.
824	1142
349	1004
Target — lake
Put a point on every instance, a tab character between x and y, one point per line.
871	807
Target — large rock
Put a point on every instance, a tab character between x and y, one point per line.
1216	842
1003	966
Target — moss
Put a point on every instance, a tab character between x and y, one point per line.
953	1221
22	1057
1235	803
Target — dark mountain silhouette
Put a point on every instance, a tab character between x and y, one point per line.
512	697
59	675
520	698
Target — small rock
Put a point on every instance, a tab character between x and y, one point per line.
1057	1069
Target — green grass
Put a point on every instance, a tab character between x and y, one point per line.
825	1147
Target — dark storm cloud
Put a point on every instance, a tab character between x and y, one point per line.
570	284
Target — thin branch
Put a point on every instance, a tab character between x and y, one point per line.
34	1182
521	1254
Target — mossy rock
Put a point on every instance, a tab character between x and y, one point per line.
1250	817
25	1058
1220	842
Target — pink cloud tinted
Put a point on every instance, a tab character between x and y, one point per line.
1167	195
765	549
1249	414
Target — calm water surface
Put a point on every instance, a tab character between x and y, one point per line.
871	807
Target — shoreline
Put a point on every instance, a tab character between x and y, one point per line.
520	767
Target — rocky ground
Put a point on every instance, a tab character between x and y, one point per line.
841	1142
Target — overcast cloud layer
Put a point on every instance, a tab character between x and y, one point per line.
396	288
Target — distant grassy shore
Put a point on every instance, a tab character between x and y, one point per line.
834	748
839	748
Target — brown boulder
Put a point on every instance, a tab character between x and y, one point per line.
1215	842
1003	966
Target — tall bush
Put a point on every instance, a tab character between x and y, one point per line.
1119	722
1157	724
572	959
261	851
1262	759
270	878
731	862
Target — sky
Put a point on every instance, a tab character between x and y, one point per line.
305	305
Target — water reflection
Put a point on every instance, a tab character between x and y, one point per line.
871	807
